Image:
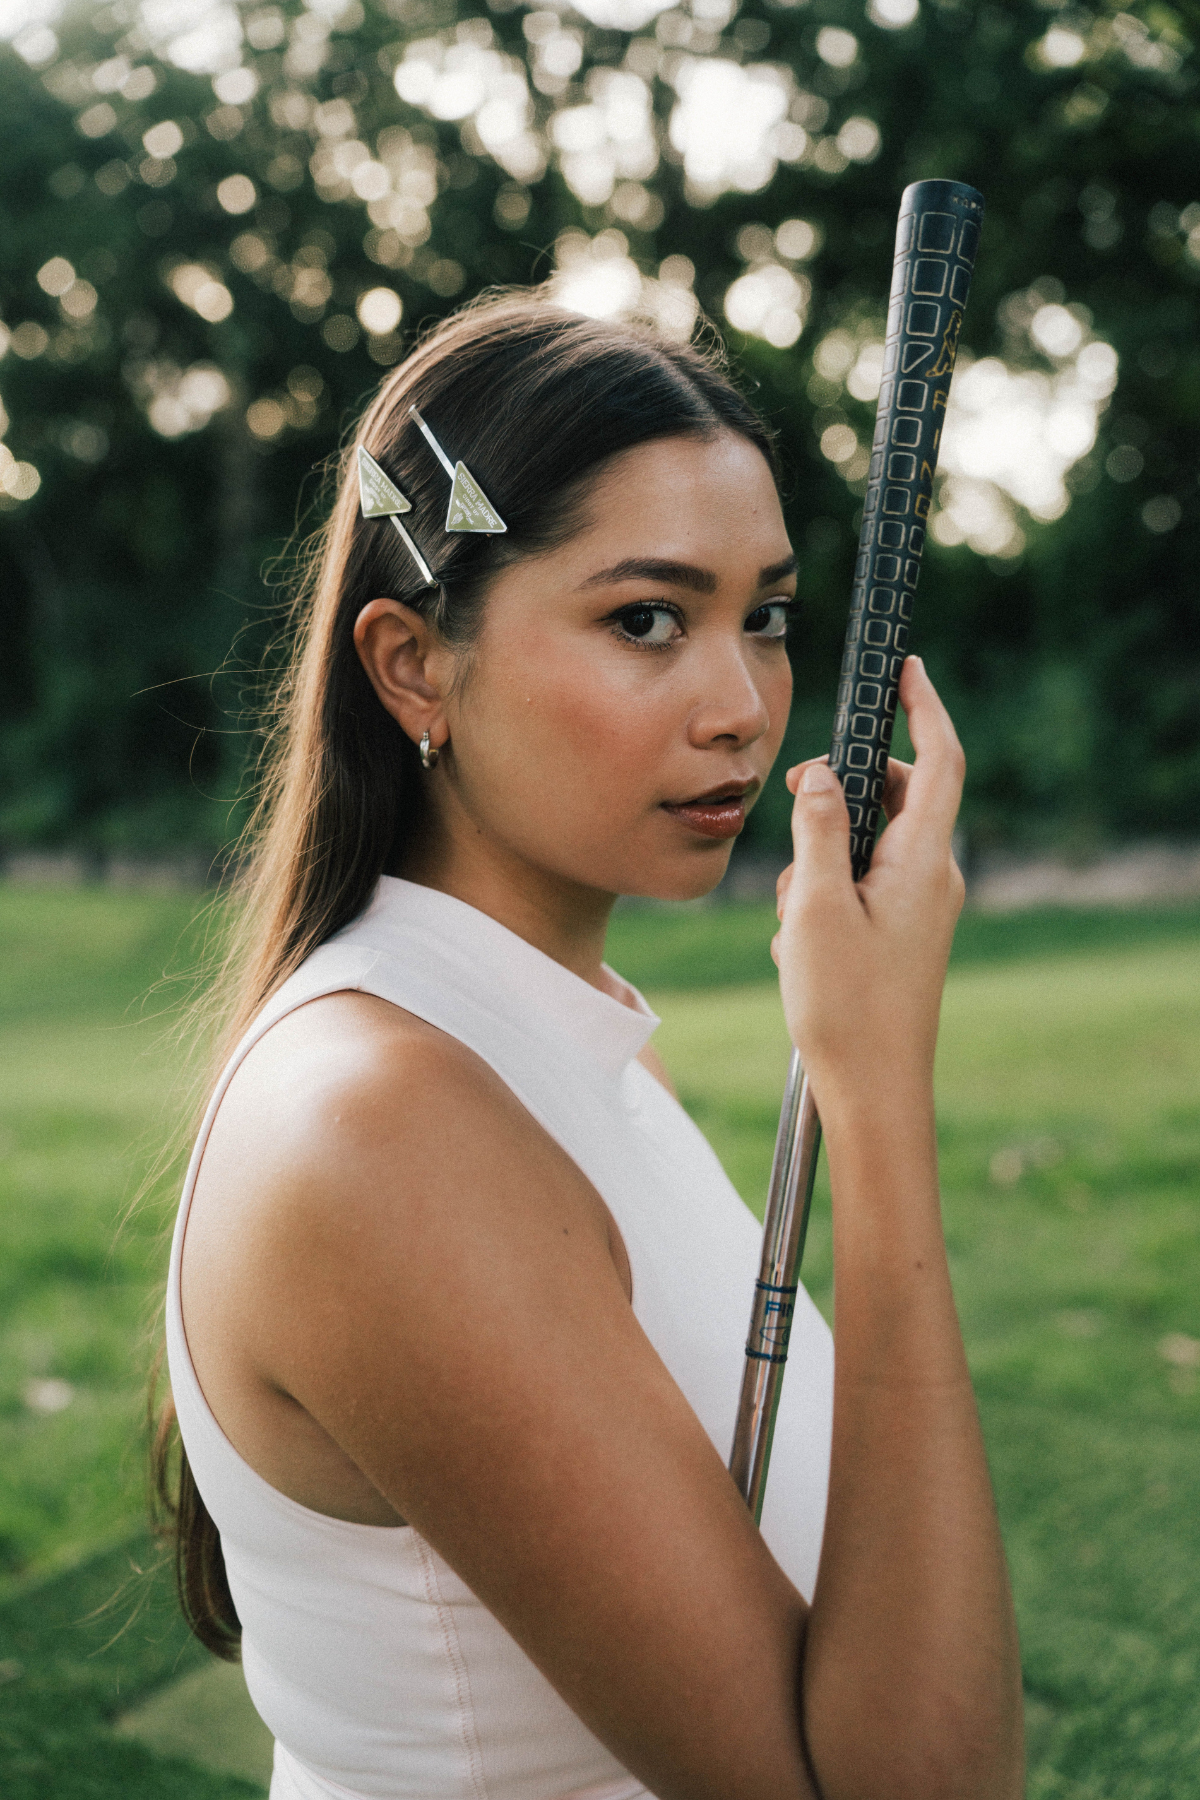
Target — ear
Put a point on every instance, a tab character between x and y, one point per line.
407	665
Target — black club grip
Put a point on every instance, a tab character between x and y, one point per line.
936	239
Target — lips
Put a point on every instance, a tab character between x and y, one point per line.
719	814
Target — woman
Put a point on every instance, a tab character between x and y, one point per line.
455	1330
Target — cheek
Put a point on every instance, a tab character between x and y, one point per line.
572	717
609	720
776	690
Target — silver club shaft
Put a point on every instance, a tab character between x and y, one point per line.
784	1229
937	235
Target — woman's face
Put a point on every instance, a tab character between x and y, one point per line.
627	694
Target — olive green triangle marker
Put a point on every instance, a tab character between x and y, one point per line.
469	508
380	498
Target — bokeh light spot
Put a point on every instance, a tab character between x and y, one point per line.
1161	514
836	47
199	288
55	276
379	310
163	140
266	418
236	194
838	443
893	15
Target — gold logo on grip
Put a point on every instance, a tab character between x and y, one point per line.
945	362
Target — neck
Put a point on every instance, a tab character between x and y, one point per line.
562	918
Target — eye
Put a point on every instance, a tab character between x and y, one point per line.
647	623
771	619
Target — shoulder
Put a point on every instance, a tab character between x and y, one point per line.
353	1119
358	1158
332	1065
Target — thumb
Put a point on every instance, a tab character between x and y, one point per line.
820	834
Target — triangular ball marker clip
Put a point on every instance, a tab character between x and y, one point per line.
469	508
378	492
380	498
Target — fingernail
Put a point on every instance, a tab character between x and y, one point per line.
819	778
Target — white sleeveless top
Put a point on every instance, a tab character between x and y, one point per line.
377	1670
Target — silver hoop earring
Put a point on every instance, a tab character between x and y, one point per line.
428	756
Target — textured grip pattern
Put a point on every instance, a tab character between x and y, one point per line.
936	240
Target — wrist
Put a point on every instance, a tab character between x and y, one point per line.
883	1149
894	1107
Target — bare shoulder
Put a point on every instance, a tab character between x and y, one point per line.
348	1106
357	1153
328	1066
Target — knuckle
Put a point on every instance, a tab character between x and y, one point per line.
957	887
811	908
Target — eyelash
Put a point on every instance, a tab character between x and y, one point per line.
664	606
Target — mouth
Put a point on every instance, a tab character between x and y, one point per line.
721	813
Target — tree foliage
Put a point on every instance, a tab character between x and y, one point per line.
221	221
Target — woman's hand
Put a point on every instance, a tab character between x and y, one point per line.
862	966
912	1604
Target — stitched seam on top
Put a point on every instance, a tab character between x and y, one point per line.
462	1683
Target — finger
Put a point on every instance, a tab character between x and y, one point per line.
895	787
935	785
821	837
781	890
795	774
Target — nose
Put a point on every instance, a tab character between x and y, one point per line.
730	707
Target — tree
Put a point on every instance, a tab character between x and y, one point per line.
214	243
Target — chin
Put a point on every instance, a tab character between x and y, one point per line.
685	878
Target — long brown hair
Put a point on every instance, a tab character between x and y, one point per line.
534	399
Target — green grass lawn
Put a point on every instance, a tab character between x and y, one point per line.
1069	1106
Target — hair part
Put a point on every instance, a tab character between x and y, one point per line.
537	401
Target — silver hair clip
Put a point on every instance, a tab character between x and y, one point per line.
380	498
469	508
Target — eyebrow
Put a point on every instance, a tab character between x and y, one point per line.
680	574
779	571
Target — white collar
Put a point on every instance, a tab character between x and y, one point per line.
483	957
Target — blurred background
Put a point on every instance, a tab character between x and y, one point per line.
222	222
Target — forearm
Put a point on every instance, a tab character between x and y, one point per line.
911	1678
